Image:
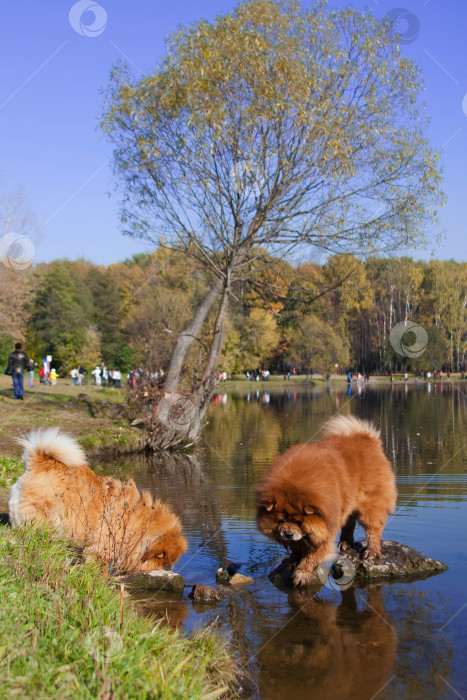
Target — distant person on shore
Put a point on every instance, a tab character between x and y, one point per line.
97	375
53	376
82	375
18	363
31	368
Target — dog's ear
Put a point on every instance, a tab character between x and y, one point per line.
309	510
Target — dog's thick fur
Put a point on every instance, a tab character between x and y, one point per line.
314	490
113	521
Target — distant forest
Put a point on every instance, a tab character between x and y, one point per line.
128	314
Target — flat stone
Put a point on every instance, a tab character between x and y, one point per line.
204	594
399	562
155	580
240	580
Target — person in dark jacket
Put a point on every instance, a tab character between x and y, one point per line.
18	363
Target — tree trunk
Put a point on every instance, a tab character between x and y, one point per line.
219	331
177	419
186	338
202	395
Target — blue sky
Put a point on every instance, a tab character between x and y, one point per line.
51	75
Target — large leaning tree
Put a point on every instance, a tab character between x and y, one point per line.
272	129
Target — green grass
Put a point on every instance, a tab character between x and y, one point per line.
60	633
10	471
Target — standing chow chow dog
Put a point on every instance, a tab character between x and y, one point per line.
314	490
112	521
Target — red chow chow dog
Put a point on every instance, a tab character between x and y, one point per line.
112	520
314	490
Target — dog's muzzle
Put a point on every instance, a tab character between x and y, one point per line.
290	534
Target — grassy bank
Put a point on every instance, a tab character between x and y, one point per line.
93	415
10	471
60	633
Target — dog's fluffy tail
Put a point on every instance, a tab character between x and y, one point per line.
52	443
349	425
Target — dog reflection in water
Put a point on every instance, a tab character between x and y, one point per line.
328	652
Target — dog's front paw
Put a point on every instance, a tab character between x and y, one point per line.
370	553
343	546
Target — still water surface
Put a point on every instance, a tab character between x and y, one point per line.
404	640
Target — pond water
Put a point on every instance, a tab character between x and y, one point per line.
404	640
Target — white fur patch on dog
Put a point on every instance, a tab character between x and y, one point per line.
349	425
13	503
53	443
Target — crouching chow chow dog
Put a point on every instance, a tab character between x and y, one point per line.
115	523
314	490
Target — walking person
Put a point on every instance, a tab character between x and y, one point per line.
18	363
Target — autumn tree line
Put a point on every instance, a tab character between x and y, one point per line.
130	314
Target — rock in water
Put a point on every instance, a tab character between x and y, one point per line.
240	580
156	580
222	577
399	562
201	593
